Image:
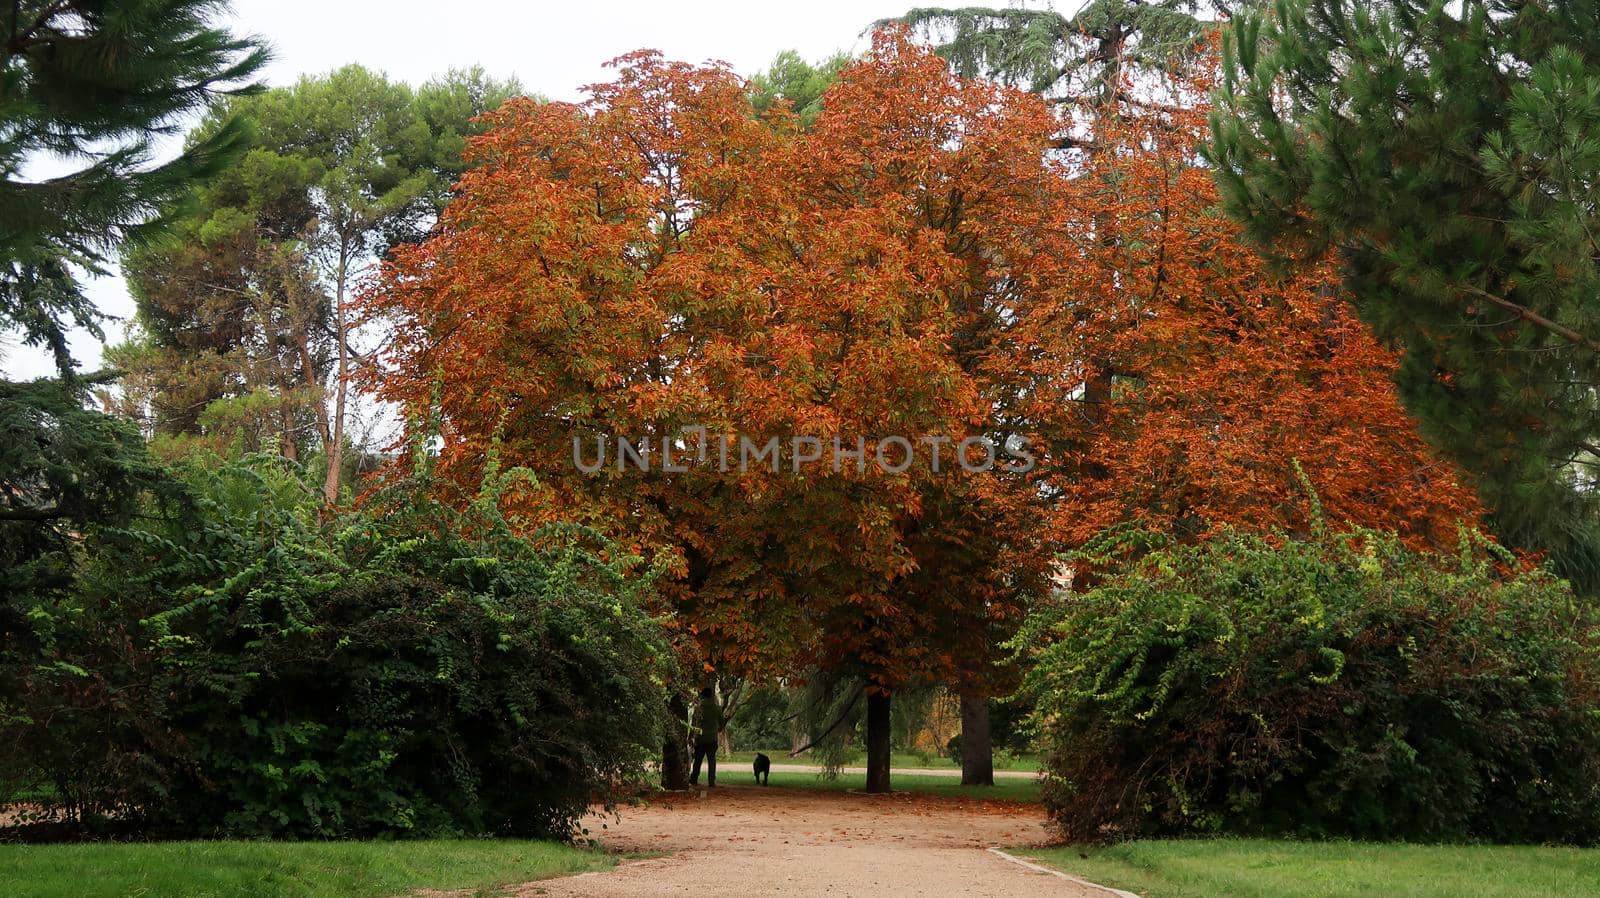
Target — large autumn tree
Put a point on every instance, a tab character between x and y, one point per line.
660	258
918	263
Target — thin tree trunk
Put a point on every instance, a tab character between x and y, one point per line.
308	372
335	448
977	748
287	447
674	750
877	742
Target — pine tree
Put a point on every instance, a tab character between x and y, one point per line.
1082	61
1448	156
799	83
92	83
245	309
98	80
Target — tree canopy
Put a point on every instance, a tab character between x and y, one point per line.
917	264
245	332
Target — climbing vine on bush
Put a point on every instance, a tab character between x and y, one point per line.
1338	685
247	669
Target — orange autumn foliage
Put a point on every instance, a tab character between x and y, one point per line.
1203	377
918	263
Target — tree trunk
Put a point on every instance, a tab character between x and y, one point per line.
286	438
308	372
977	749
335	447
877	742
675	750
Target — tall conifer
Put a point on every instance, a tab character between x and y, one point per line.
1448	154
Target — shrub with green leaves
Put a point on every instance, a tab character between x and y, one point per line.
245	668
1337	686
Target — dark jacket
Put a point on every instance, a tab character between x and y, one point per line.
708	723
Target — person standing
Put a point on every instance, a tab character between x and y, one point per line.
707	726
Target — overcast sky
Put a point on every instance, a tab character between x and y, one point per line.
553	49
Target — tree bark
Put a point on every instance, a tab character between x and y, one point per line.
977	748
877	742
308	372
675	749
335	447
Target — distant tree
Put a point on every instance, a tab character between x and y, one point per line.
95	81
1082	62
801	84
1446	156
245	310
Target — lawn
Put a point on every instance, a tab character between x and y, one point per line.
1246	868
1012	789
738	773
781	756
282	869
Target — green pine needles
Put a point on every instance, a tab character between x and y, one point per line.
1449	154
93	83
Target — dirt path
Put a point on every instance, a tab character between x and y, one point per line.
747	840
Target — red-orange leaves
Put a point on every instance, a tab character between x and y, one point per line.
917	265
1200	376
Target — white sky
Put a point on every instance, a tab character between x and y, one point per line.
554	49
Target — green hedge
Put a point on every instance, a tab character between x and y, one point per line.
239	666
1337	686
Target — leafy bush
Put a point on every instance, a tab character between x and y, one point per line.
1339	686
247	669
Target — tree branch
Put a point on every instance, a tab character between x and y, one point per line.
1534	318
843	715
31	514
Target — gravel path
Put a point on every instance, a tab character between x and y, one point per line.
748	840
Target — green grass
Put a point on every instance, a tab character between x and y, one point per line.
927	784
1248	868
281	869
781	756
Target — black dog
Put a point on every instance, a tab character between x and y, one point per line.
763	768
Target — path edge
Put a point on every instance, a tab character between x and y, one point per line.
1039	868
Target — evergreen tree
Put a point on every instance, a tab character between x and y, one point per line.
1080	61
245	309
91	82
790	78
1449	155
95	81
